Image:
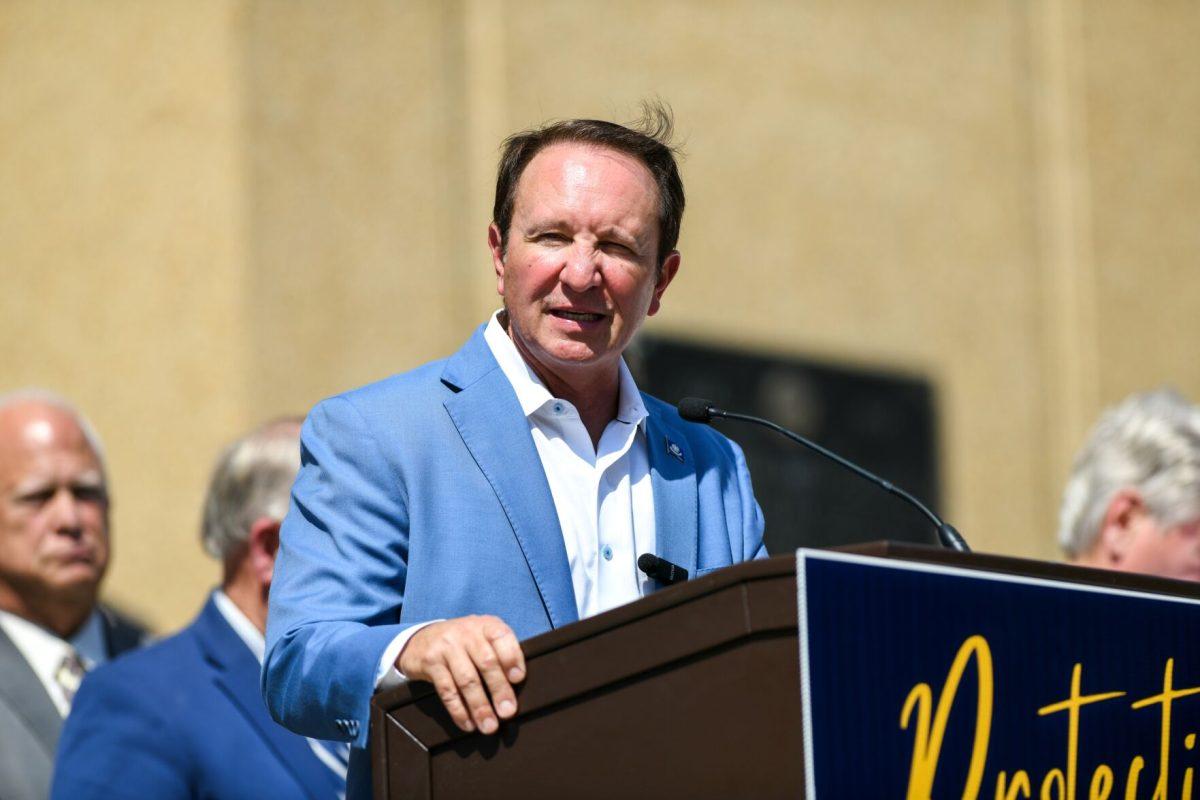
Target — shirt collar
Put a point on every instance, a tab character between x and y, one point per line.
533	395
241	625
45	650
91	642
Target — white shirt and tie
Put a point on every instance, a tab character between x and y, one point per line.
602	494
58	663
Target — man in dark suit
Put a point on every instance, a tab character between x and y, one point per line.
185	717
54	549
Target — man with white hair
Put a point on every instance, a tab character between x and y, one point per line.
185	718
54	550
1133	499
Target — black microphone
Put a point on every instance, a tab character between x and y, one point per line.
695	409
661	570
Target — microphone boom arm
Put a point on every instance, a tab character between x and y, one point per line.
947	535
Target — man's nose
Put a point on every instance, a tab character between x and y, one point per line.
66	513
582	270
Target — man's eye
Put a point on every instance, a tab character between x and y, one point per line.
551	238
36	498
89	494
617	248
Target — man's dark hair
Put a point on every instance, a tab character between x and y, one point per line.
648	140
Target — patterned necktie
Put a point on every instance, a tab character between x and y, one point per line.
70	674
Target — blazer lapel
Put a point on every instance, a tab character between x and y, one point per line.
673	478
493	427
24	693
237	675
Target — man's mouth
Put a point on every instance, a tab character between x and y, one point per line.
577	316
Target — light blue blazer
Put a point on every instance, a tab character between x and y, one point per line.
422	497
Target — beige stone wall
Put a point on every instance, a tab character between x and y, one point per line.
215	212
123	229
1143	124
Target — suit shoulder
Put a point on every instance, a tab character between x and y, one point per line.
418	385
155	663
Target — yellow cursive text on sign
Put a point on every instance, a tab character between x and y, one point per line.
928	736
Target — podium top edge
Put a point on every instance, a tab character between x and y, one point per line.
784	567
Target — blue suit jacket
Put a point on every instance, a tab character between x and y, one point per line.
184	718
422	497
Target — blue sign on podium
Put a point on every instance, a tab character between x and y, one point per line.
924	681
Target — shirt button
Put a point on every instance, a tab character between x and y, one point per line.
607	553
558	408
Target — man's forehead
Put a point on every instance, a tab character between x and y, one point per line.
38	422
34	432
569	177
581	163
39	433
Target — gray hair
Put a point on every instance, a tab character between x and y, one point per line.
1151	443
251	480
33	395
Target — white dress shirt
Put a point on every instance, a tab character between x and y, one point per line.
602	494
254	639
44	651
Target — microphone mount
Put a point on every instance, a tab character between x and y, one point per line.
695	409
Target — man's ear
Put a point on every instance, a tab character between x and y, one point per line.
670	266
496	245
263	544
1119	525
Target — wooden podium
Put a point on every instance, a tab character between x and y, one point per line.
693	692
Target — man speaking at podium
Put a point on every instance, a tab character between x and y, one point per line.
443	514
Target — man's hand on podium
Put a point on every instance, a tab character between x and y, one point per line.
468	659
